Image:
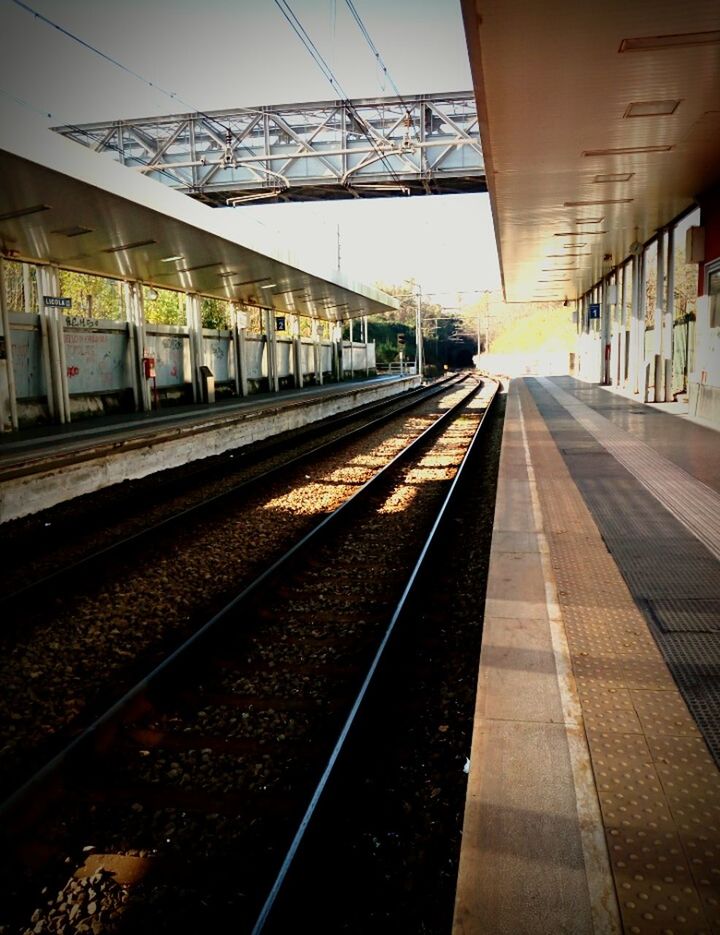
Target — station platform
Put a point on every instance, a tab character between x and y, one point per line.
593	798
44	465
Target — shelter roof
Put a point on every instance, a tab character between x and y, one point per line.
599	125
63	204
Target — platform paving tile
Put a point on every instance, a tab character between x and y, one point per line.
513	509
643	741
517	653
663	713
508	540
522	868
607	710
615	637
516	573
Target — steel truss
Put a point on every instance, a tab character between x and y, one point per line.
427	144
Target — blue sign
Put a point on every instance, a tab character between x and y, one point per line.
280	323
594	310
53	301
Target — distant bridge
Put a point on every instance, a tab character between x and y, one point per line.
365	148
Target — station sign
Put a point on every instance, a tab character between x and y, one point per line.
280	323
56	301
594	310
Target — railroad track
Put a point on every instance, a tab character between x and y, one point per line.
38	558
217	752
87	635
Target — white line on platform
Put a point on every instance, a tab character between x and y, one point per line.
601	888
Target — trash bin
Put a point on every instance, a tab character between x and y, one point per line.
207	384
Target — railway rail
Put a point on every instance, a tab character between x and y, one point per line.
120	518
51	546
219	746
92	633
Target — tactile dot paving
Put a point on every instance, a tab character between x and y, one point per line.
659	790
608	710
663	712
622	671
588	634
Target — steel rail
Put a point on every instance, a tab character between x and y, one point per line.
112	717
398	613
116	548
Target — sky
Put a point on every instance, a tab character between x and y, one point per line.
236	53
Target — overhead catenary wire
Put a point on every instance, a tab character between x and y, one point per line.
173	95
327	71
373	48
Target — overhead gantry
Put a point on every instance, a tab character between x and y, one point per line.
364	148
62	207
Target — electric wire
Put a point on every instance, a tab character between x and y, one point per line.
327	71
26	104
173	95
301	33
373	48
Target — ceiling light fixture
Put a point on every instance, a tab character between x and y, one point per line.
23	212
626	150
170	259
651	108
192	269
73	231
669	41
270	285
578	233
598	201
614	177
129	246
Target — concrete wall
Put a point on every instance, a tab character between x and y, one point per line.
176	446
100	362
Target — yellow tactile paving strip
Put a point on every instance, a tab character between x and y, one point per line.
658	787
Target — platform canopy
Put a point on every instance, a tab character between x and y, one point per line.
64	205
599	125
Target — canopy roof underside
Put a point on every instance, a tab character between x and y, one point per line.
64	205
599	125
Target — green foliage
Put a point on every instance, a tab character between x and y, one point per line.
444	339
215	313
167	309
14	289
93	296
544	328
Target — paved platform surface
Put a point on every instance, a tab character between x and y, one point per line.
42	467
594	798
21	448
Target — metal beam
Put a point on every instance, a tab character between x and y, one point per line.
369	147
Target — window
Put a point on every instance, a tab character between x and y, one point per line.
713	291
